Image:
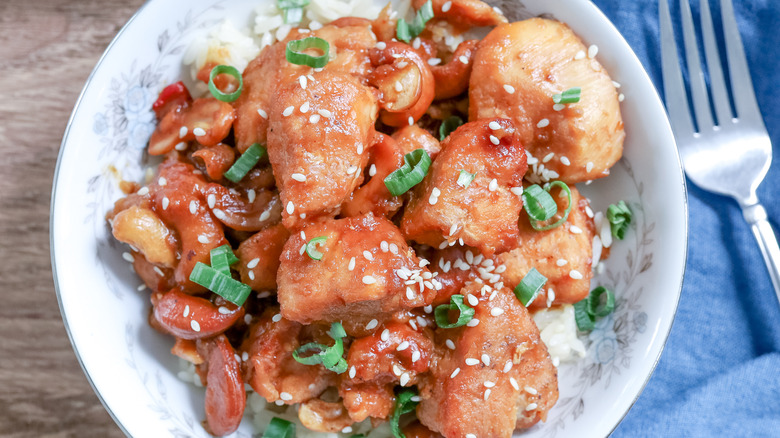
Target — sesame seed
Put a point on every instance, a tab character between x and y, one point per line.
494	139
496	311
287	111
575	274
251	275
580	55
473	323
486	360
393	248
575	229
277	317
593	51
203	239
398	86
193	207
325	113
302	80
352	372
298	177
385	335
383	246
471	361
182	146
494	125
159	271
402	346
543	123
219	214
487	394
493	186
507	366
514	384
212	200
453	229
561	262
223	310
509	89
455	373
351	169
381	45
463	59
128	257
286	396
531	407
489	384
183	131
265	216
277	402
416	356
360	148
195	325
589	166
372	324
472	300
143	191
351	264
433	200
434	61
531	390
548	157
558	107
372	170
245	356
186	310
411	120
290	207
369	280
565	161
315	118
199	132
141	287
446	6
470	435
262	113
165	202
409	293
621	97
368	255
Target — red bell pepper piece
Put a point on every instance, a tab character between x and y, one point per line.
171	97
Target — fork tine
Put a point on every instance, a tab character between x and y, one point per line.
720	97
741	85
674	87
701	102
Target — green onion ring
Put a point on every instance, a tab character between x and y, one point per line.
449	125
416	165
403	405
222	257
279	428
585	322
220	283
442	313
311	247
619	217
228	70
536	197
595	307
528	288
245	163
295	49
572	95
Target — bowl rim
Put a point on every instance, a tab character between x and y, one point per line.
595	9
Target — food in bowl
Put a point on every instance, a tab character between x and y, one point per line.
369	220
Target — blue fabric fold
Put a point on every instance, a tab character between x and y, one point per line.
719	374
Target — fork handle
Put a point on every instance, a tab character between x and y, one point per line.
756	216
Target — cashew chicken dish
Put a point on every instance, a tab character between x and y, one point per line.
366	226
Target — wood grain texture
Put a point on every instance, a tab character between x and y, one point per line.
48	49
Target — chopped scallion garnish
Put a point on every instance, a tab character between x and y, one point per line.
279	428
330	357
600	303
619	217
572	95
222	258
541	207
407	31
585	322
403	405
228	70
292	10
465	178
221	284
449	125
295	49
311	247
245	163
529	287
442	313
416	164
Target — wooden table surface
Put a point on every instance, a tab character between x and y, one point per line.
47	50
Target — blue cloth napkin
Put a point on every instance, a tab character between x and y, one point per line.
720	372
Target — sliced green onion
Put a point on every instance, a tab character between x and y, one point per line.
585	322
228	70
407	31
279	428
572	95
442	313
619	217
539	204
465	178
222	258
330	357
449	124
529	287
416	164
220	283
403	405
296	48
595	307
245	163
311	247
292	10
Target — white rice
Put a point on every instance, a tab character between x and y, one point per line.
559	332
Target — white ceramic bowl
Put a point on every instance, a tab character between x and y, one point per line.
129	364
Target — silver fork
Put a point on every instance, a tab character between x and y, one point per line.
731	156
